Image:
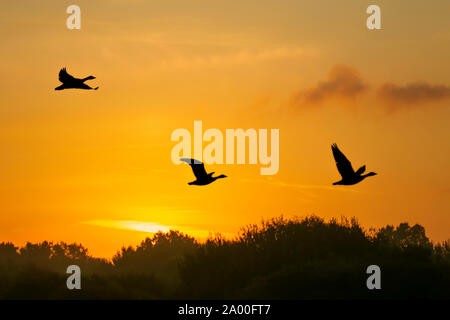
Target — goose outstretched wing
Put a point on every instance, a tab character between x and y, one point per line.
64	76
361	170
344	166
197	167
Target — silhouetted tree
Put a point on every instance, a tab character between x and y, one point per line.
295	258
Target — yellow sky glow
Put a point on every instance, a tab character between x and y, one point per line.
95	166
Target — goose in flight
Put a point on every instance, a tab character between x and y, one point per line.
69	82
349	176
198	168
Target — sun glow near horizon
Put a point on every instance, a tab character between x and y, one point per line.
129	224
152	228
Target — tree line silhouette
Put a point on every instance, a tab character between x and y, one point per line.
297	258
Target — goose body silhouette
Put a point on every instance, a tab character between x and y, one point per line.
344	166
70	82
198	168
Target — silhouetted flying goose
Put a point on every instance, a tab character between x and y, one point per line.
198	168
349	176
70	82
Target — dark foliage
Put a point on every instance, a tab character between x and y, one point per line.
280	259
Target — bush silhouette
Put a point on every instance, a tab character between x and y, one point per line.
297	258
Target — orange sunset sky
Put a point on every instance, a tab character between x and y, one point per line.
95	166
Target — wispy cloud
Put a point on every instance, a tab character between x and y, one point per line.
130	225
153	227
341	82
396	97
299	186
238	57
346	83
